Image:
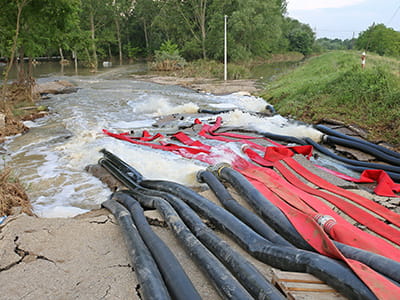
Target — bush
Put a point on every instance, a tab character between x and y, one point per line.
168	58
133	52
237	71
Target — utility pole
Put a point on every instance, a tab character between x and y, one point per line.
225	50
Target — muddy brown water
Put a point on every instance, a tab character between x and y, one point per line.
51	157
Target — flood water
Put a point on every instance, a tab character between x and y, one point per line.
50	158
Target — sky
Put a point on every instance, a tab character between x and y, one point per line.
344	19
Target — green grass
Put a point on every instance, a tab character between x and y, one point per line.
334	86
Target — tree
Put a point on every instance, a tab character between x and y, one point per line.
379	39
300	37
19	6
122	9
96	15
215	37
149	21
194	14
44	25
39	26
256	27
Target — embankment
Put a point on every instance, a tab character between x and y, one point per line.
334	86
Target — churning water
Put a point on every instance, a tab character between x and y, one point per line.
51	157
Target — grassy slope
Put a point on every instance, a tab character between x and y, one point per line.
333	85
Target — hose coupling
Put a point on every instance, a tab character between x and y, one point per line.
244	147
324	138
199	178
325	221
216	169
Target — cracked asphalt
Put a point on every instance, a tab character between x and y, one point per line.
82	258
77	258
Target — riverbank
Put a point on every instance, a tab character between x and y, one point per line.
13	197
334	86
206	85
207	76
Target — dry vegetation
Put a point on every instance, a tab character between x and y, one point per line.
17	97
12	194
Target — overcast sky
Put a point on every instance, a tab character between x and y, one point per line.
344	18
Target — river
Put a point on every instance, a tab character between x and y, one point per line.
50	158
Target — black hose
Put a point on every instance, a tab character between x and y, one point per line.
246	273
178	283
272	215
151	283
223	281
363	147
330	131
243	214
332	272
117	173
328	270
271	109
283	138
393	169
243	270
123	166
381	264
213	112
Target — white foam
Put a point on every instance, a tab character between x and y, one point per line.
162	106
30	124
133	124
275	124
246	103
223	105
158	164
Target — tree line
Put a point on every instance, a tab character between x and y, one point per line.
376	38
94	30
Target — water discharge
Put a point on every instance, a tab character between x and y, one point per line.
51	157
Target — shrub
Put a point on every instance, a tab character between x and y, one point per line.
167	58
